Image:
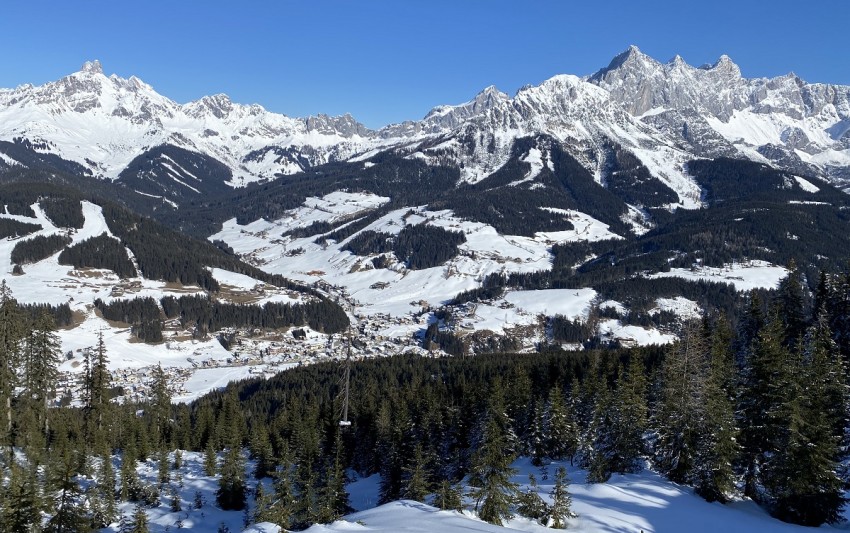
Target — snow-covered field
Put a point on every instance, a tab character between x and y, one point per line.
625	504
744	276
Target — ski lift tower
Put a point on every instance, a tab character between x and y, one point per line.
345	422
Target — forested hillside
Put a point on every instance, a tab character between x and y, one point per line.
759	410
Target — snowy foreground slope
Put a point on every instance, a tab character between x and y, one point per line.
625	504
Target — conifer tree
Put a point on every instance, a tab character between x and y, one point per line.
803	475
631	412
210	460
231	494
140	520
677	418
160	407
718	449
106	491
563	436
334	497
282	504
448	497
416	479
96	393
131	486
764	402
536	442
490	477
22	509
561	508
12	332
531	505
41	360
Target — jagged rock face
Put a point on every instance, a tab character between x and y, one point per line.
794	124
664	114
124	118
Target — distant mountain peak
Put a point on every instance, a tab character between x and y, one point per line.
725	65
92	67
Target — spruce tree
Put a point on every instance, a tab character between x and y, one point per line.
764	402
490	478
160	409
718	448
561	508
139	523
679	413
803	479
417	484
231	494
334	497
563	433
530	504
22	509
12	332
281	507
448	497
41	360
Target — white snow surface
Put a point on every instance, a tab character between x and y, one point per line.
624	504
744	276
397	290
806	185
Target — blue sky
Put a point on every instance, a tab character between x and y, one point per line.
388	61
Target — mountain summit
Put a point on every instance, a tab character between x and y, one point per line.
665	113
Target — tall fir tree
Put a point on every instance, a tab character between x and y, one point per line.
12	332
763	403
718	448
490	478
803	480
678	415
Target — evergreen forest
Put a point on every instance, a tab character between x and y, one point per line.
759	410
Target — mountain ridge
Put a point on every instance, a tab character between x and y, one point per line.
104	123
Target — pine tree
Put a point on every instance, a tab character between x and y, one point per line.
561	508
417	485
764	402
717	448
563	436
490	478
531	505
41	360
448	497
803	478
231	494
12	331
677	418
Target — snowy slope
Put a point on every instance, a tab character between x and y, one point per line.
625	504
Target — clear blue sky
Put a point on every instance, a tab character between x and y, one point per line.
391	60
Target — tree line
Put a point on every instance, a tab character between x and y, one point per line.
757	410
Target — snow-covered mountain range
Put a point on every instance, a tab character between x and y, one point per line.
664	114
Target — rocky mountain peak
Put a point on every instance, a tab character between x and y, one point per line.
92	67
